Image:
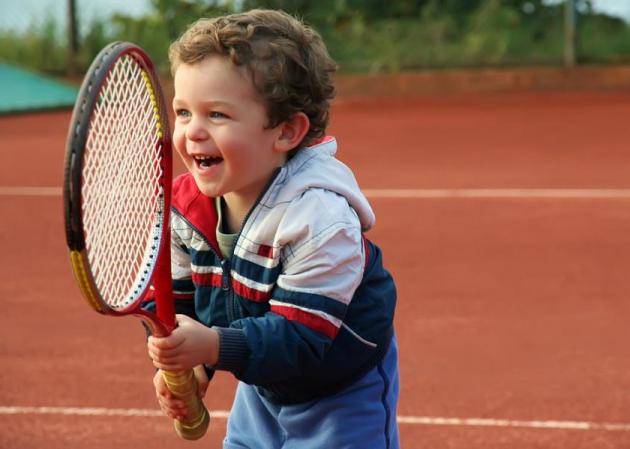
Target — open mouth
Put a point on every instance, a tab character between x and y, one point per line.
207	161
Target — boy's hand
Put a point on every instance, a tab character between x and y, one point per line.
202	381
172	407
189	345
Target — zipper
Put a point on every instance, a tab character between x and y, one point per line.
226	287
232	307
263	192
225	279
225	276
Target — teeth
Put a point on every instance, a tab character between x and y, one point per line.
206	161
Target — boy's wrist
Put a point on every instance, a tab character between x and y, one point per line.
212	356
233	351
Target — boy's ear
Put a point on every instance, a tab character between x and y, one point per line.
292	131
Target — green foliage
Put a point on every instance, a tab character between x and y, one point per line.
96	38
38	49
597	44
484	33
362	35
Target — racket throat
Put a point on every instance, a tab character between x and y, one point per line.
151	321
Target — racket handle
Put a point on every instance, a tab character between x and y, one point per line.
183	385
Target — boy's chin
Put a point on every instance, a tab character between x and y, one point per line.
210	191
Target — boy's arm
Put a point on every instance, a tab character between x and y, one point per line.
322	267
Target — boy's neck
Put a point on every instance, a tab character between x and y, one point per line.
235	209
237	205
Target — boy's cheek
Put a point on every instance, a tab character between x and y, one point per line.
177	135
179	143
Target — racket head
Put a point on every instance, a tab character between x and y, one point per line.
117	180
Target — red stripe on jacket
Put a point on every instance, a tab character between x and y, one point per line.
212	279
308	319
265	251
250	293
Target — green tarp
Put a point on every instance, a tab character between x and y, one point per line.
22	91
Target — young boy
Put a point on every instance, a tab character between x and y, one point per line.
274	279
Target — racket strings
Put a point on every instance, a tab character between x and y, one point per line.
122	202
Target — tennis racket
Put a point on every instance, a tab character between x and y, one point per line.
116	193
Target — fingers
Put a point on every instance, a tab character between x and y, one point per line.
164	359
173	341
167	364
174	409
171	406
165	354
189	345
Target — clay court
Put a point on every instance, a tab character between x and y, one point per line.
504	217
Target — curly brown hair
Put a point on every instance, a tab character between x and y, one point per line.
287	60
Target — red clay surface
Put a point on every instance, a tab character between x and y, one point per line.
508	308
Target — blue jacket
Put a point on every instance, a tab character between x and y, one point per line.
303	306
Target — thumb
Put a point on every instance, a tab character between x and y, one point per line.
182	319
201	390
202	380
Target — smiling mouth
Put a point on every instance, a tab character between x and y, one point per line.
207	161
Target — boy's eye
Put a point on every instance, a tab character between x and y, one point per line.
217	115
182	113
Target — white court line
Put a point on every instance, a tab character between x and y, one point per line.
412	193
94	411
30	191
490	422
413	420
497	193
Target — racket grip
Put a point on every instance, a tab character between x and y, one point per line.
183	385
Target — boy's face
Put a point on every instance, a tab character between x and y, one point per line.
220	130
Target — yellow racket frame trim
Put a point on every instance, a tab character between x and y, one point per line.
83	278
154	102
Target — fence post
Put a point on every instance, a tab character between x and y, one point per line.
73	41
570	34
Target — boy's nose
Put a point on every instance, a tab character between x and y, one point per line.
196	131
